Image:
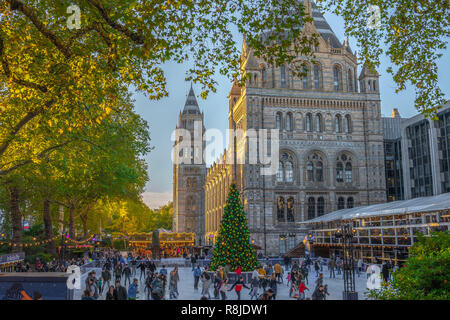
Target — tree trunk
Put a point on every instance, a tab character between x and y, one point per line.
84	221
71	222
16	220
48	227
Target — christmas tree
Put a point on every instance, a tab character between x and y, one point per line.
233	243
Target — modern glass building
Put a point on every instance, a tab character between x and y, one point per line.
383	231
417	155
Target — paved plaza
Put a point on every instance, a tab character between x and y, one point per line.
187	291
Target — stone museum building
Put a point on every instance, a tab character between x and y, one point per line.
331	153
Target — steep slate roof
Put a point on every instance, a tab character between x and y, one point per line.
324	28
191	105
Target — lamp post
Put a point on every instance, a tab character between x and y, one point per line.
346	233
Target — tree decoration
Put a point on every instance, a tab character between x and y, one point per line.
233	243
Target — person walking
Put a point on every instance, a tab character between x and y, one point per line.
238	287
197	274
133	290
121	292
385	272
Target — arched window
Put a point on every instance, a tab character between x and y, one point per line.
308	122
278	120
337	78
374	83
311	208
344	161
283	76
285	172
348	124
280	209
290	209
309	171
319	171
280	171
338	125
350	80
341	203
319	124
289	122
289	172
350	203
348	172
339	172
320	206
316	77
305	79
264	75
314	168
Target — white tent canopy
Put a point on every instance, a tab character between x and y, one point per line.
425	204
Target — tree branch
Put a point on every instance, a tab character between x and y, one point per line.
137	38
49	34
42	154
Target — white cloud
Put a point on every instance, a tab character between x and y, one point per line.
155	200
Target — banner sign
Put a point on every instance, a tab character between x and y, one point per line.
12	257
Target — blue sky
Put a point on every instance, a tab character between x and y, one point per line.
162	115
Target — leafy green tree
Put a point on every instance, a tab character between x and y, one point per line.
426	275
233	243
415	34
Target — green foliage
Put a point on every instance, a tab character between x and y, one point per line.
426	275
415	34
233	243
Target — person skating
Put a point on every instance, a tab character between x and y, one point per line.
301	291
223	289
319	280
133	266
111	294
142	266
173	283
273	286
325	292
317	267
148	285
267	295
127	274
206	283
254	285
133	290
157	288
278	272
331	266
121	292
238	287
106	275
318	294
118	272
197	274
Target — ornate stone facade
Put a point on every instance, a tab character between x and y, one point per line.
189	175
331	143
